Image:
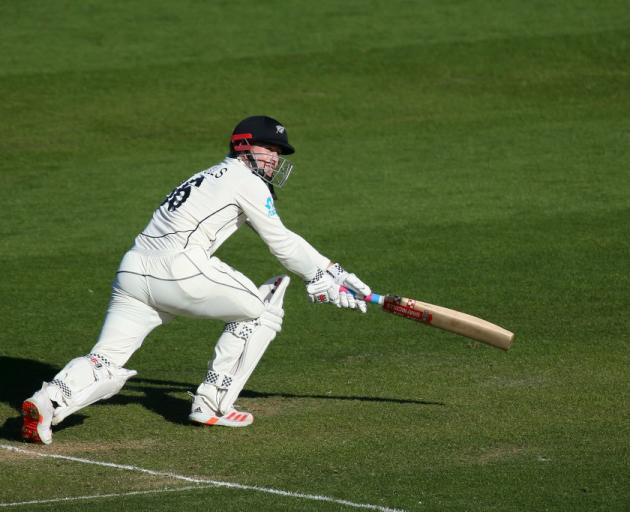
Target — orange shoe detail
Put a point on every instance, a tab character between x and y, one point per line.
30	419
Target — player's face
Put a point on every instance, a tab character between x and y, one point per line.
266	161
266	158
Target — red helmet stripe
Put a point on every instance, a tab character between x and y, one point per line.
243	138
239	136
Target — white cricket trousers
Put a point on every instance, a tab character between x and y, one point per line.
152	287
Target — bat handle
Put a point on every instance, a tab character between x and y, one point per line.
373	298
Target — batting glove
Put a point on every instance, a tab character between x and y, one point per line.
322	288
351	288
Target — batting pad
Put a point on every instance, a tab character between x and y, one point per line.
241	346
83	381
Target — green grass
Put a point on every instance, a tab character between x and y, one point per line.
470	154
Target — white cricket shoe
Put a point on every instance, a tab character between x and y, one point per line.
37	414
204	414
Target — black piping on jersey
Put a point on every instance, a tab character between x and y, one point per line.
160	278
227	223
192	231
167	234
242	286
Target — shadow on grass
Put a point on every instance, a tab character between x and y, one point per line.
246	393
19	378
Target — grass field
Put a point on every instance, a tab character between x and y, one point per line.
473	154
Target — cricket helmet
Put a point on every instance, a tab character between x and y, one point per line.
260	130
263	131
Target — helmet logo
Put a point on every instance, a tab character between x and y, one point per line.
279	129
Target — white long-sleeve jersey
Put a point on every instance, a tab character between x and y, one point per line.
210	206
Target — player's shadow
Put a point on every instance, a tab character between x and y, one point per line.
19	378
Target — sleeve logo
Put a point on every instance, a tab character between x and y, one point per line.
271	209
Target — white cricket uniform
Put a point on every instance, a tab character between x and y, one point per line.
171	269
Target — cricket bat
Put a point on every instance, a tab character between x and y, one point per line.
446	319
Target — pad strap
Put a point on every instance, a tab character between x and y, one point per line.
65	390
220	380
96	360
242	330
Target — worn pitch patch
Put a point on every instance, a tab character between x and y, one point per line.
195	480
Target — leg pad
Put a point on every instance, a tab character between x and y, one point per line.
83	381
240	348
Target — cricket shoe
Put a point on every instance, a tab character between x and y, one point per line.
202	413
37	414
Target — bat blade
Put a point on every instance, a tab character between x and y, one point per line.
446	319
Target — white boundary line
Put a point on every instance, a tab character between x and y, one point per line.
97	496
215	483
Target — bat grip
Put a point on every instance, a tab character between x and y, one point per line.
373	298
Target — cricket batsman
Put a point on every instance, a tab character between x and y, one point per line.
171	270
